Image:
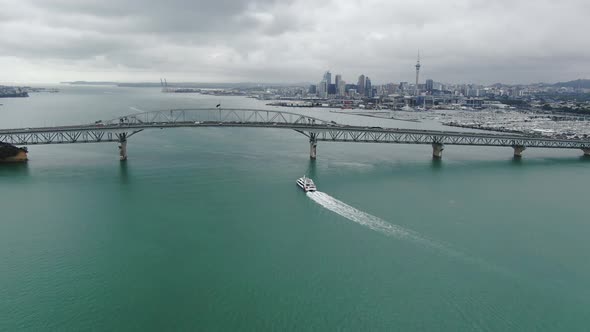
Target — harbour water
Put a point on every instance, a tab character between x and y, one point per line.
205	229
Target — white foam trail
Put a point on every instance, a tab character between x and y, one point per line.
375	223
380	225
360	217
348	212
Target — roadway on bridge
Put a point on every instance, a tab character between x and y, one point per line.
122	128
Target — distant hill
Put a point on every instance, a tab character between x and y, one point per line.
244	85
89	83
582	84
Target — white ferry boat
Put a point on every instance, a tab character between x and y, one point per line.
306	184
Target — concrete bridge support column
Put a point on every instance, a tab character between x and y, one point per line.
122	147
518	150
586	151
437	149
313	144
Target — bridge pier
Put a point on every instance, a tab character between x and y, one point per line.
586	151
437	149
313	144
518	150
122	146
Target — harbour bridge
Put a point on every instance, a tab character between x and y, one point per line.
119	130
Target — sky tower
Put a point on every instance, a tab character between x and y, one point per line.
417	74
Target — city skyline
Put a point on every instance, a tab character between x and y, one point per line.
262	41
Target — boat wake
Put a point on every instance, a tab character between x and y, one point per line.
370	221
380	225
360	217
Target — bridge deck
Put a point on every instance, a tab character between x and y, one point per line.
120	129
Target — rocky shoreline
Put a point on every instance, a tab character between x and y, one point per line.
12	154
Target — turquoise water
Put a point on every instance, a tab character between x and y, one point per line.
204	229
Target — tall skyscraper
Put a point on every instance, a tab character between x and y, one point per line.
417	73
342	88
360	87
328	77
368	88
322	89
338	82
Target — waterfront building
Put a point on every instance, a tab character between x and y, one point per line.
474	102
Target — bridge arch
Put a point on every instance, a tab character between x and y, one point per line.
217	115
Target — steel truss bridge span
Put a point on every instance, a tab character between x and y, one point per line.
316	130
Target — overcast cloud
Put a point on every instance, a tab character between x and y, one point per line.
294	41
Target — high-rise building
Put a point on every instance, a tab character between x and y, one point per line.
368	88
332	89
328	77
323	89
429	85
360	87
312	89
338	82
341	87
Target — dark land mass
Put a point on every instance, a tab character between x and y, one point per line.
89	83
188	84
576	84
9	150
242	85
14	94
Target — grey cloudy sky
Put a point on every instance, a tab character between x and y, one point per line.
480	41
